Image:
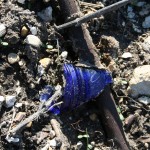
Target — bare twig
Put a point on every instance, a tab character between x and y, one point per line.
79	21
40	112
100	5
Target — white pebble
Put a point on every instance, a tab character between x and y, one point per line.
12	139
2	30
13	58
33	40
126	55
21	1
18	105
46	14
145	100
64	54
79	145
33	30
2	99
53	143
10	100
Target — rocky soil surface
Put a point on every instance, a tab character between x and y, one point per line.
32	53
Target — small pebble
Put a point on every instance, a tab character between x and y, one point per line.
2	30
146	23
52	134
20	116
33	30
13	58
32	85
33	40
18	105
22	63
21	1
126	55
42	136
131	15
24	31
64	54
93	117
46	14
145	100
79	145
140	4
10	100
93	143
53	143
29	124
2	99
12	139
45	62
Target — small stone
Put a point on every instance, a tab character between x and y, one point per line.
136	28
21	1
22	63
12	139
24	31
20	116
10	100
33	30
46	1
2	30
18	105
43	135
146	23
29	124
146	44
129	9
2	99
131	15
52	134
53	143
50	148
45	62
145	10
96	148
64	54
46	14
79	145
145	100
33	40
126	55
93	143
32	85
140	82
93	117
140	4
13	58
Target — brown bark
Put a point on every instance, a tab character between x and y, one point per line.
81	39
83	44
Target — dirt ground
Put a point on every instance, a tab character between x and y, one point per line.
113	34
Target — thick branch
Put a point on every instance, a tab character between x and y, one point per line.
82	41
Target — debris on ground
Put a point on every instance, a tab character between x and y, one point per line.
38	62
